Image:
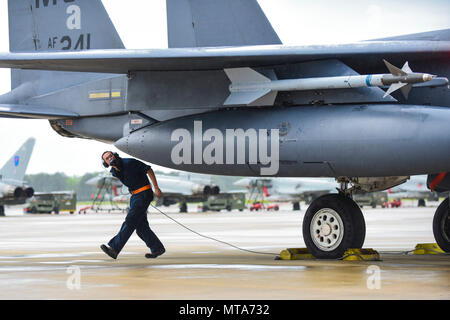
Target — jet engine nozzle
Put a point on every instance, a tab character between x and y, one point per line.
215	190
29	192
18	192
201	189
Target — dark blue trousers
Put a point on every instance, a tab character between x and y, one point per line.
136	219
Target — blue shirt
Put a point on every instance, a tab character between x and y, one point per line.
132	173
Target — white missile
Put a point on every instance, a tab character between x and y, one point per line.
249	87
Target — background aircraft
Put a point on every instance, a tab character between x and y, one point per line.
414	188
13	190
319	111
175	190
287	189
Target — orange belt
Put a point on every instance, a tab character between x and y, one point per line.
141	189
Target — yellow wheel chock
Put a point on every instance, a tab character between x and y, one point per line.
361	255
428	248
296	254
349	255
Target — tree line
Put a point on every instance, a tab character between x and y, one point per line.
45	182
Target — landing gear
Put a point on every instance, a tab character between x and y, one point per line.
441	226
296	206
332	224
2	211
421	203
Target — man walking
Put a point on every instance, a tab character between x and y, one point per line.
133	174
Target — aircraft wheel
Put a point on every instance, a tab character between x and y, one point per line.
183	208
359	224
2	211
332	224
421	203
296	206
441	226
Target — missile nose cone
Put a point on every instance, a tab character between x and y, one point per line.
427	77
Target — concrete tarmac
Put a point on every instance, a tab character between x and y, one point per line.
58	257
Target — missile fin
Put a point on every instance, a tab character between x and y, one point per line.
245	75
394	87
394	70
266	100
406	68
264	97
405	90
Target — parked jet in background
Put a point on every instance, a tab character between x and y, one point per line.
175	190
319	111
13	190
414	188
288	189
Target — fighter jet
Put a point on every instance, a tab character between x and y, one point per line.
228	98
288	189
13	190
414	188
175	190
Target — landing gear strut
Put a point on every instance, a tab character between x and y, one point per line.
441	225
332	224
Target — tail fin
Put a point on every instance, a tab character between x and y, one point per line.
14	169
58	25
207	23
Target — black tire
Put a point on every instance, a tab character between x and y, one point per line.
352	222
2	211
296	206
359	223
441	226
421	203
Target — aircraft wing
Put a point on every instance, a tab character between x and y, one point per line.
122	61
35	112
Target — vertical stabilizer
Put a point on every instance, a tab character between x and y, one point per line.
58	25
14	169
214	23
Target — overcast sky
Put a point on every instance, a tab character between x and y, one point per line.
142	24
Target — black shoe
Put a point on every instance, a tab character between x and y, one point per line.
109	251
155	254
